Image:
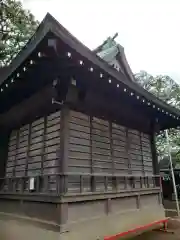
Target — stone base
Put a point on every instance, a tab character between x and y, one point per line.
113	224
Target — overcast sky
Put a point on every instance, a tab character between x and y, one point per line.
148	29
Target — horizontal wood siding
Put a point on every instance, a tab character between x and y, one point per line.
135	152
101	150
100	147
79	150
13	143
95	146
34	149
119	150
147	156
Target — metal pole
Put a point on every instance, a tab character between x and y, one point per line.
172	171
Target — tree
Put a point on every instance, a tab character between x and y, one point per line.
163	87
16	28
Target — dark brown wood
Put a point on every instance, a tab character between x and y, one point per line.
127	151
64	146
93	180
92	146
17	142
28	149
68	43
155	164
44	146
143	171
111	147
154	155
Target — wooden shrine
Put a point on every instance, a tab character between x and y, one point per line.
77	144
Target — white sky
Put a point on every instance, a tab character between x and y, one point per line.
148	29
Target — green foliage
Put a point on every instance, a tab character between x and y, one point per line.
163	87
16	28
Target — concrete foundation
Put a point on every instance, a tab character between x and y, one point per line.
88	220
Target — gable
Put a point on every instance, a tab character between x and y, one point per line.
52	35
113	53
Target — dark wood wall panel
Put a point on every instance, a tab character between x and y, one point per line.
34	149
79	143
79	149
101	152
119	151
11	154
147	153
135	152
95	146
100	147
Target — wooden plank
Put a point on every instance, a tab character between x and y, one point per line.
77	161
79	115
82	135
79	148
51	156
81	122
38	122
64	146
53	122
79	155
43	146
37	134
54	115
52	129
79	145
79	141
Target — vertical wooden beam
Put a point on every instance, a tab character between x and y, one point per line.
127	151
64	146
154	151
93	180
24	180
143	171
44	146
113	170
111	146
155	164
28	149
154	155
91	142
63	164
15	160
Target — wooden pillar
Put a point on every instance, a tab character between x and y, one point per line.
141	146
28	149
93	179
127	152
64	146
44	146
156	170
16	151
